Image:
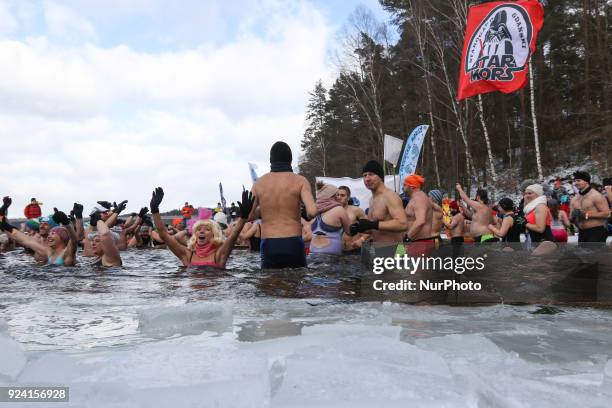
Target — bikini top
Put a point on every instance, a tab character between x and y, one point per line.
319	227
212	263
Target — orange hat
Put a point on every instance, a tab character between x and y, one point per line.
176	221
413	180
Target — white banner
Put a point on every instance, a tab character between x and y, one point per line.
412	151
358	189
393	149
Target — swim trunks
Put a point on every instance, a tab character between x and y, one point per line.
421	247
283	253
596	234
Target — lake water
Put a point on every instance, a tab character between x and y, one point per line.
152	334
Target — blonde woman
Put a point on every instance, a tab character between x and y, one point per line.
207	246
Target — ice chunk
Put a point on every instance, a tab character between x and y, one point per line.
189	319
12	355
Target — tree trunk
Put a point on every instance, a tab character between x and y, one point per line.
535	124
486	136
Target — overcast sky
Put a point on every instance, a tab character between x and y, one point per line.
107	99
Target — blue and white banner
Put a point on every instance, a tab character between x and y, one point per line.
252	167
412	152
223	202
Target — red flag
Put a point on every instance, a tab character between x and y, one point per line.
499	39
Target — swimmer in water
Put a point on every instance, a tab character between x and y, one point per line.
386	220
104	246
482	216
331	222
207	246
419	211
61	241
105	212
278	194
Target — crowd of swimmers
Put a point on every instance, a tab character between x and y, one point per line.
283	221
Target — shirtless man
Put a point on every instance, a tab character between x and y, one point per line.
278	195
481	215
456	224
419	212
589	210
355	213
386	220
437	216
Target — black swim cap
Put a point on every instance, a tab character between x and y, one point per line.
280	153
506	204
374	167
582	175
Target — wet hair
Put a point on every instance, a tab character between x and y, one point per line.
483	195
506	204
553	205
345	188
210	225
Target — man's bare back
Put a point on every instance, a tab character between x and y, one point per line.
279	196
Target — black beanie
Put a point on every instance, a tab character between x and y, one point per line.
582	175
374	167
280	153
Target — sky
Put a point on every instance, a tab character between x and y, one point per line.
108	99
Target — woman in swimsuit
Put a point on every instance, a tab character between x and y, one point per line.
207	246
104	246
61	242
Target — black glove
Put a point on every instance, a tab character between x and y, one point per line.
105	204
119	207
577	214
77	209
246	205
5	226
354	230
304	214
71	216
520	222
363	225
143	212
6	203
60	217
94	218
156	199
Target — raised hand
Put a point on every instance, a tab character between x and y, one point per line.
6	203
94	218
105	204
246	205
77	209
119	207
143	212
156	199
60	217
